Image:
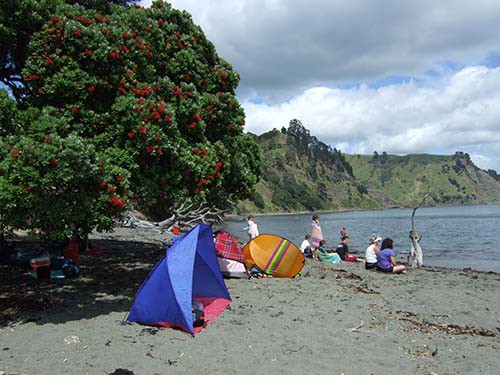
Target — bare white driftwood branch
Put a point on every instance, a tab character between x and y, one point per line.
185	217
416	256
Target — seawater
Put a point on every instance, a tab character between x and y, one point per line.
452	237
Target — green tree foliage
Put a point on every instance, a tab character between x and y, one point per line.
19	20
136	105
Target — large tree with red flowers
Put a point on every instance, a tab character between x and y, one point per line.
132	105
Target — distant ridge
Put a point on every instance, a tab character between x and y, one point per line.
301	173
401	180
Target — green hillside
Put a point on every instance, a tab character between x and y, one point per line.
301	173
403	180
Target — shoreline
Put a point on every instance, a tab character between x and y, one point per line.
282	213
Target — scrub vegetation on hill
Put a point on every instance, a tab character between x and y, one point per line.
301	173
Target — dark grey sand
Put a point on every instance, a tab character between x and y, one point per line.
334	319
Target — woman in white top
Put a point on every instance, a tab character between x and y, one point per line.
372	251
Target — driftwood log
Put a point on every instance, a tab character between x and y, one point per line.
183	217
416	256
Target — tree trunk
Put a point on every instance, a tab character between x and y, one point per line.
183	217
416	257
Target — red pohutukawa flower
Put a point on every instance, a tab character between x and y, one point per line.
15	153
88	53
176	90
116	202
53	161
143	129
120	178
49	61
91	88
131	134
47	138
197	117
27	188
75	110
192	125
103	184
159	152
150	148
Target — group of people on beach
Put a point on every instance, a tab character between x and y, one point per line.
379	254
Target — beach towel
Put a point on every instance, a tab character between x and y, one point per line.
227	247
329	257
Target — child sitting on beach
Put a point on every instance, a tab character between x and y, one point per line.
327	255
305	246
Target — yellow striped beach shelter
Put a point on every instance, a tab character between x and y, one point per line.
274	255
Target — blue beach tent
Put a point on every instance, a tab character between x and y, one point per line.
188	272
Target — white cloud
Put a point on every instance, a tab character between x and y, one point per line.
459	113
281	47
415	65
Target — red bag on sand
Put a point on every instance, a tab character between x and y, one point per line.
72	251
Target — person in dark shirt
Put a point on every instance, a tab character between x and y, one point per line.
343	251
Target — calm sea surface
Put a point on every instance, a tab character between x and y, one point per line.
453	237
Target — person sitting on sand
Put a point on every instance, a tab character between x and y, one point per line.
372	251
327	255
385	258
305	246
343	251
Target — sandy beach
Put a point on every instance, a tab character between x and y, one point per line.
333	319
